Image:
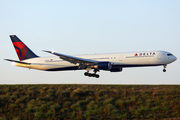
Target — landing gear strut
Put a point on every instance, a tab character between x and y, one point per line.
92	74
164	70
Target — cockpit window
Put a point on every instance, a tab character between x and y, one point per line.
169	54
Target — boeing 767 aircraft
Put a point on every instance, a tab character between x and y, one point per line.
114	62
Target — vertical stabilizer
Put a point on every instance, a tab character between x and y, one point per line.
22	50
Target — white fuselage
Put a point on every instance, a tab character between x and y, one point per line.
130	59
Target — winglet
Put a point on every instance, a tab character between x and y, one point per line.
52	52
46	51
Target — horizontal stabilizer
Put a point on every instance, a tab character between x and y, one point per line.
17	61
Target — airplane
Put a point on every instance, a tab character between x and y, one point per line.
113	62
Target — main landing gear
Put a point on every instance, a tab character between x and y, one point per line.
164	70
92	74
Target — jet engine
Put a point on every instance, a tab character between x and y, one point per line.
103	66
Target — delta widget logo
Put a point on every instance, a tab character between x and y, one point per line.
145	54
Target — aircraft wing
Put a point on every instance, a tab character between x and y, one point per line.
17	61
73	59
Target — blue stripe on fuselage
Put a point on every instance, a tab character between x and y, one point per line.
114	66
64	68
131	65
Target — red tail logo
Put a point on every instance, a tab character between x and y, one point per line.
21	50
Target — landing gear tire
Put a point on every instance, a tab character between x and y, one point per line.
91	75
164	70
97	76
86	73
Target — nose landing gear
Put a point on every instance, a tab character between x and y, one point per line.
92	74
164	70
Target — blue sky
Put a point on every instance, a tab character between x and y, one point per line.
84	27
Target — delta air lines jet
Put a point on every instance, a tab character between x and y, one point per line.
114	62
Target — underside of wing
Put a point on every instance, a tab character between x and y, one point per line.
74	60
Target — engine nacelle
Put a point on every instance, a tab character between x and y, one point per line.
116	69
107	66
104	66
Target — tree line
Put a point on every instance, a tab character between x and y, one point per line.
89	102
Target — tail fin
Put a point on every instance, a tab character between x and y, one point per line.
22	50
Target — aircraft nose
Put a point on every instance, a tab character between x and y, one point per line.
175	58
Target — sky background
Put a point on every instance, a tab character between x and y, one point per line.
90	26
